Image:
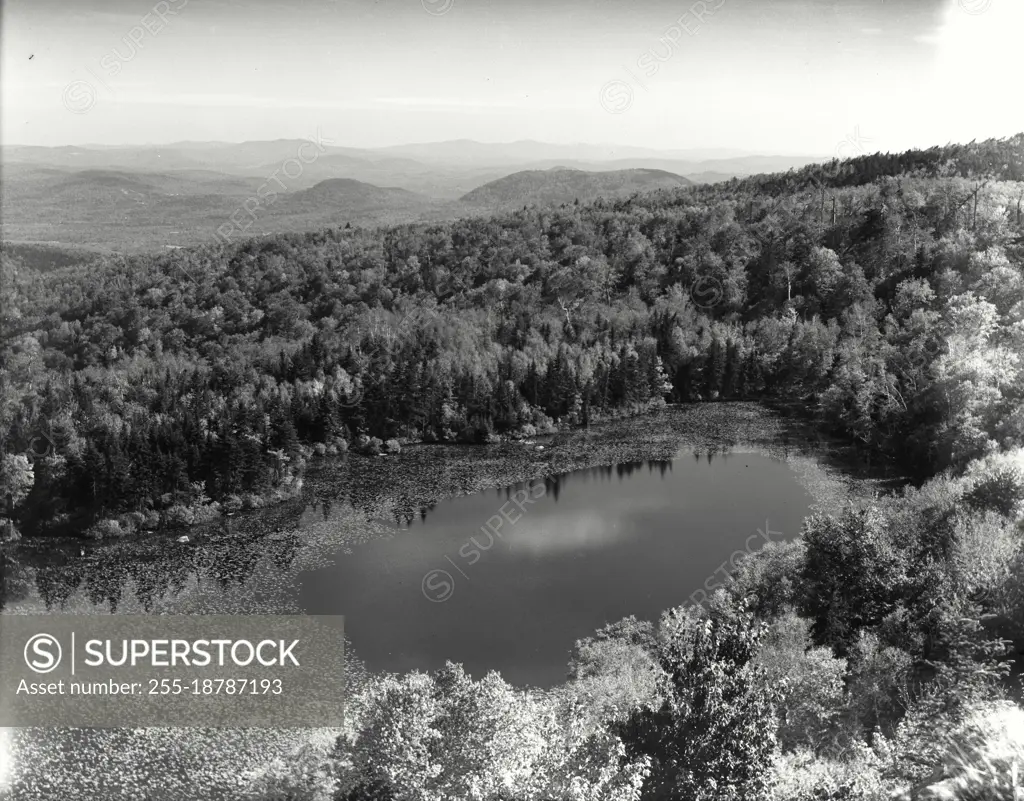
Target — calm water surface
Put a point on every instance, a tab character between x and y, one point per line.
585	549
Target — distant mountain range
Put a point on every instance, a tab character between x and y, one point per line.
154	196
463	151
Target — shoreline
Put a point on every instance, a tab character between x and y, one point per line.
607	441
364	494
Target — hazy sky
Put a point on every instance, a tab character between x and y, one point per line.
771	76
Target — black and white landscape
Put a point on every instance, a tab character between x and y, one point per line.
643	383
141	199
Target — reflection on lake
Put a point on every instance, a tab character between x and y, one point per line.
504	579
563	556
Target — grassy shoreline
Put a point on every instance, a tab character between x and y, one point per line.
363	493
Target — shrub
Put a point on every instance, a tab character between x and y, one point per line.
878	682
368	446
802	776
976	755
252	501
768	579
997	484
8	531
179	515
134	521
309	773
812	678
617	671
16	476
206	513
104	529
855	573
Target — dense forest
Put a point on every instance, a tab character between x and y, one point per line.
169	386
886	293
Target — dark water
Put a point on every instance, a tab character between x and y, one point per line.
581	550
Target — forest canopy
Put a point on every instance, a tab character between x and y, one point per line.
886	291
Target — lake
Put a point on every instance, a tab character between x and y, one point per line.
440	554
679	492
509	579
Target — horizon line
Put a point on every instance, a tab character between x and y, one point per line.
377	148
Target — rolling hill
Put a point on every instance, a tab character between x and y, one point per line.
149	197
565	185
115	210
352	195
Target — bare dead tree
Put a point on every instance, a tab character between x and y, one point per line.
569	308
972	196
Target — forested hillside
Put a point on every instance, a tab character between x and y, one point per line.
562	185
894	303
993	158
872	655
